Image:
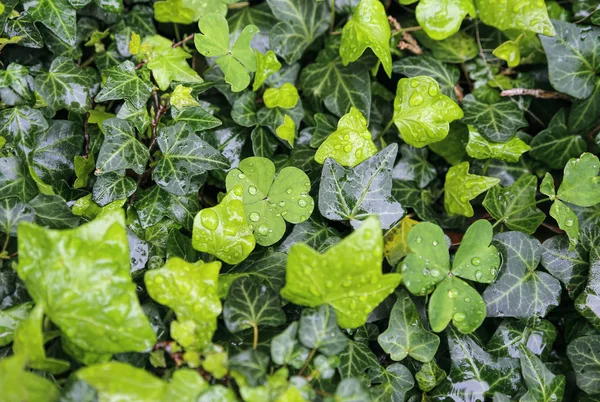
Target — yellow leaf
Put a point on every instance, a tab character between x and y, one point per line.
395	246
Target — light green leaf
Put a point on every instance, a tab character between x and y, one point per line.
405	335
174	11
190	290
421	113
121	149
123	83
107	317
479	147
461	187
520	290
319	330
566	219
574	60
57	15
458	48
446	75
441	19
266	65
20	385
515	205
350	144
223	230
476	259
285	97
454	300
396	240
584	354
367	28
517	14
429	376
168	63
181	97
342	286
235	61
66	86
287	130
509	51
300	23
581	184
250	304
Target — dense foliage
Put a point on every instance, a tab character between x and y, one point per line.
299	200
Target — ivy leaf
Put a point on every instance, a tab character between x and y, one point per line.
344	190
300	23
405	335
90	320
18	124
479	147
343	285
510	52
269	201
520	290
264	143
319	330
496	119
121	149
350	144
446	75
554	146
223	231
10	319
195	117
191	291
15	180
12	212
441	19
429	376
458	48
574	62
168	63
235	61
421	113
266	65
266	268
20	385
367	28
541	383
395	240
250	304
515	205
581	185
123	83
184	157
516	15
356	359
394	382
584	354
52	211
285	344
57	15
66	86
588	301
111	187
414	166
538	336
461	186
285	97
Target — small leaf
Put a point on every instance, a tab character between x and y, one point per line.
319	330
405	335
121	149
588	302
446	75
287	130
356	359
195	117
476	259
480	148
584	354
441	19
414	166
266	65
530	16
223	231
541	383
123	83
429	376
181	97
393	383
10	319
343	286
421	113
111	187
285	97
168	63
396	240
455	300
581	185
461	187
566	219
509	51
12	212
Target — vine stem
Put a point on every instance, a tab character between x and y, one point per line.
184	40
308	360
5	246
332	19
255	341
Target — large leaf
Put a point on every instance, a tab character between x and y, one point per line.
57	15
354	193
520	290
516	14
107	317
123	83
121	149
348	281
580	185
441	19
446	75
542	385
584	354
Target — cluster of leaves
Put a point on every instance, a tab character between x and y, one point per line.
298	200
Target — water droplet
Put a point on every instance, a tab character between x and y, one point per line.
467	300
282	203
416	99
452	293
254	217
433	89
302	203
159	279
314	290
435	273
478	274
404	267
435	243
414	83
569	222
288	191
476	261
358	153
209	219
459	317
241	176
418	239
238	191
347	148
263	230
252	190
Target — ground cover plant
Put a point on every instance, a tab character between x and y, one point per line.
299	200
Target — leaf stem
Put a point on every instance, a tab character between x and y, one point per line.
332	19
308	359
176	29
5	246
255	341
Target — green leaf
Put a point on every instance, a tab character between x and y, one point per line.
480	148
414	166
285	346
184	157
83	168
123	83
344	285
356	359
367	28
526	16
520	290
287	130
421	113
264	143
57	15
195	117
455	300
441	19
300	23
66	86
476	259
542	385
12	212
319	330
395	240
243	111
52	211
350	144
168	63
182	97
285	97
223	231
566	219
537	335
584	112
343	191
270	201
566	263
191	292
429	376
446	75
121	149
251	364
394	383
573	64
10	320
266	65
554	146
461	187
584	354
496	119
267	268
405	335
20	385
581	185
509	51
107	317
18	124
515	205
458	48
249	304
588	301
111	187
235	61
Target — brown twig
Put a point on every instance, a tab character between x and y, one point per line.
408	42
310	356
536	93
181	42
167	346
458	91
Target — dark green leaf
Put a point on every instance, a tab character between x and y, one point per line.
319	330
